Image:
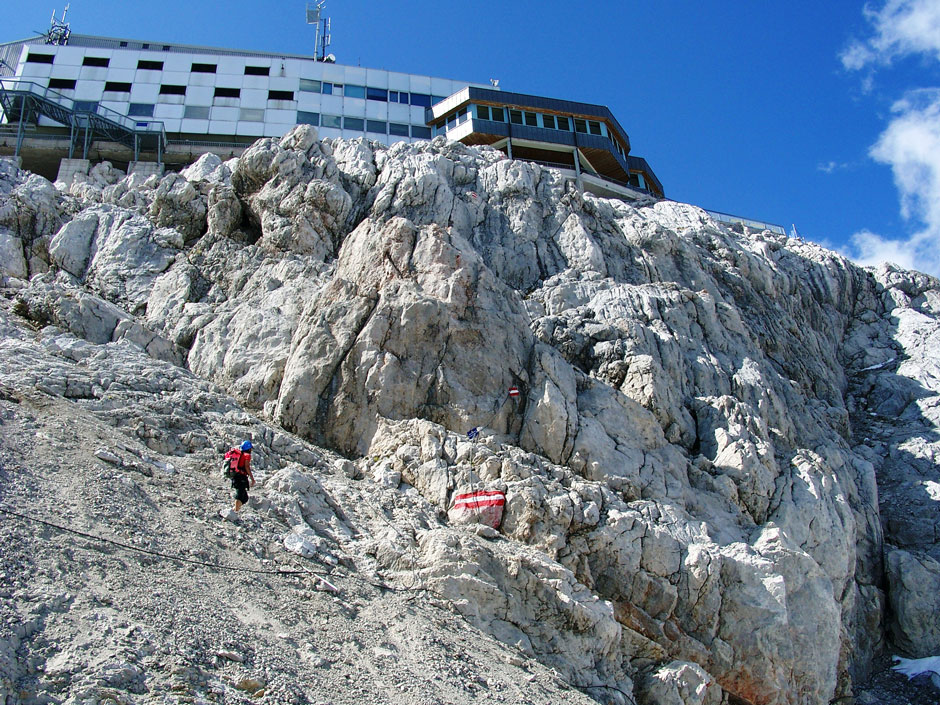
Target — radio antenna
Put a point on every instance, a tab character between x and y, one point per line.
322	41
59	30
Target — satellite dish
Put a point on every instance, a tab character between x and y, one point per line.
329	59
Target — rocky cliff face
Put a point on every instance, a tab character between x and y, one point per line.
721	471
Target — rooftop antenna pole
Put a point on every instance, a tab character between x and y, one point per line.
315	17
59	30
326	39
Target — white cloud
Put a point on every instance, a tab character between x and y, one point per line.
902	27
830	167
910	144
911	147
870	249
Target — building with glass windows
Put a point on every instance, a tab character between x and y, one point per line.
91	98
573	136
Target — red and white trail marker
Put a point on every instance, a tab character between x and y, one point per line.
478	507
514	392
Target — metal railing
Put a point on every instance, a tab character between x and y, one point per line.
729	219
23	101
726	218
210	143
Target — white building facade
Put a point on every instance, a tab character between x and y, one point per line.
203	94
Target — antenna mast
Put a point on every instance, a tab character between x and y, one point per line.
322	41
59	30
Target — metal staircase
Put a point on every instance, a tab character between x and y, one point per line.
24	102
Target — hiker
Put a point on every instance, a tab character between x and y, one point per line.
240	472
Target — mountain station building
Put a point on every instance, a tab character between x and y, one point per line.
68	100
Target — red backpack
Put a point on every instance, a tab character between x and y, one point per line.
233	463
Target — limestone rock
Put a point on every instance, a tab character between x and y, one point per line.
914	599
11	256
115	252
679	683
31	210
719	434
178	205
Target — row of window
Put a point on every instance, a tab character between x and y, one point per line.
524	117
165	89
341	122
531	119
349	90
379	127
144	64
423	100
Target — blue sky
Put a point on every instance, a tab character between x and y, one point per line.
825	115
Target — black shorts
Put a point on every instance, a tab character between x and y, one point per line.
240	485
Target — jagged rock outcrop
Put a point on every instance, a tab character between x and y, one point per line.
719	434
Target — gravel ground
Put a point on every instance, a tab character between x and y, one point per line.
84	620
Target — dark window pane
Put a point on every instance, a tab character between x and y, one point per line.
498	114
166	47
397	129
549	121
62	83
204	68
531	119
172	90
351	91
305	118
580	125
422	99
257	70
87	106
594	127
196	112
310	86
40	58
421	131
377	94
117	87
357	124
376	126
140	110
328	88
563	124
96	61
280	95
515	117
331	121
435	99
483	112
228	92
123	44
150	65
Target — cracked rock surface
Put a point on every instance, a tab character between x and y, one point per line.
720	473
